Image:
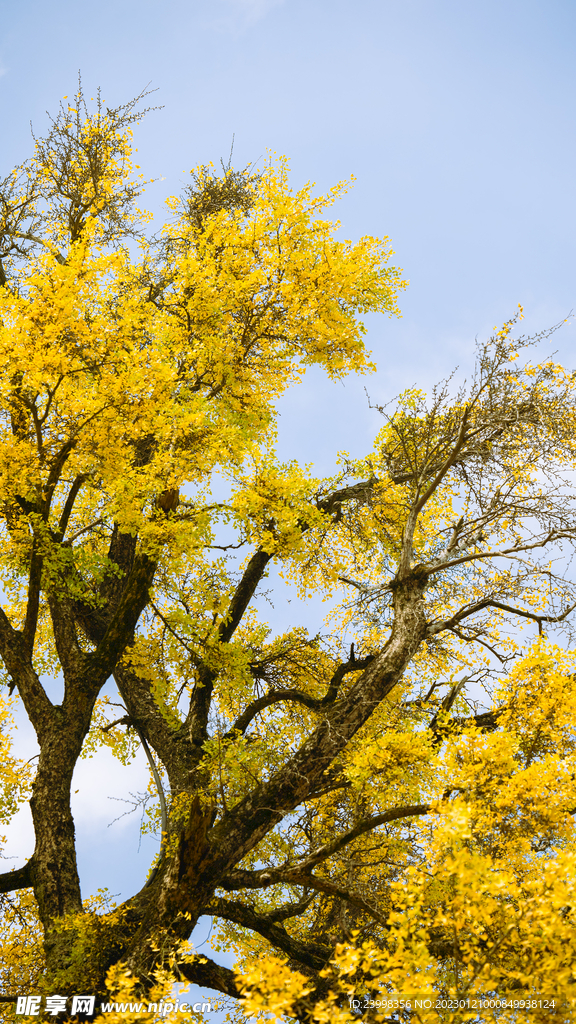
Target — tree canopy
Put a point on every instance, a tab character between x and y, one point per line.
376	812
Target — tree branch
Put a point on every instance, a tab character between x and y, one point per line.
242	879
323	885
133	600
204	971
171	744
70	654
244	593
21	878
251	577
553	535
56	468
447	465
197	718
487	721
33	599
69	503
256	566
332	502
244	825
312	954
288	910
298	696
17	659
488	602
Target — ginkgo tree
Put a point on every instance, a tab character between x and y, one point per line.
359	829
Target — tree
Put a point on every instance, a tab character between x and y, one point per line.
351	821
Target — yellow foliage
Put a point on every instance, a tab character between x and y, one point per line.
490	882
363	821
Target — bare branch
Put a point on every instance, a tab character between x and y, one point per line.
312	954
324	885
491	603
243	879
298	696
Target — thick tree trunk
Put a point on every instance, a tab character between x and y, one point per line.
200	856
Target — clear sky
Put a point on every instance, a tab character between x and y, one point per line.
458	120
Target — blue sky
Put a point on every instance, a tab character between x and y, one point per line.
458	120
